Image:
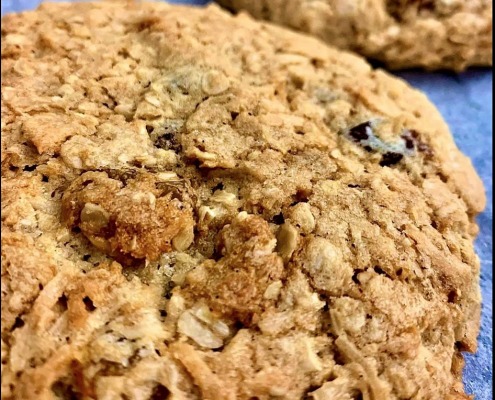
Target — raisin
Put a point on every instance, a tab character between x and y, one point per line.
412	138
278	219
359	132
424	148
408	141
414	133
391	158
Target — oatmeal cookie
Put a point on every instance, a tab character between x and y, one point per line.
203	206
430	34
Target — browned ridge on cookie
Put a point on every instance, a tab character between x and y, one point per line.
431	34
202	206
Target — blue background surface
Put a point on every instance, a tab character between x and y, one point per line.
465	101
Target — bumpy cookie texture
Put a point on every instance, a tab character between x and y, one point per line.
431	34
203	206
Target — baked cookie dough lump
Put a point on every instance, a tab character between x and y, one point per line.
141	217
197	205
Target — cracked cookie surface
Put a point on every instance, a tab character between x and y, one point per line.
203	206
430	34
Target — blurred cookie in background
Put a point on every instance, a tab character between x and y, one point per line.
430	34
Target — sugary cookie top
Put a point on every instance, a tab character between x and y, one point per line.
208	207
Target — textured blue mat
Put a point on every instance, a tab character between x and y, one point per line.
465	102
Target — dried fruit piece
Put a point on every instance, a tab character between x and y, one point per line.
391	158
392	153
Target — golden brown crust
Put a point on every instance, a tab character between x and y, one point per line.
140	217
432	34
205	206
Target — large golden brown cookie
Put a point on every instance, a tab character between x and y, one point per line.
203	206
431	34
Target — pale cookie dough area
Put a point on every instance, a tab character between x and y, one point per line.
431	34
202	206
